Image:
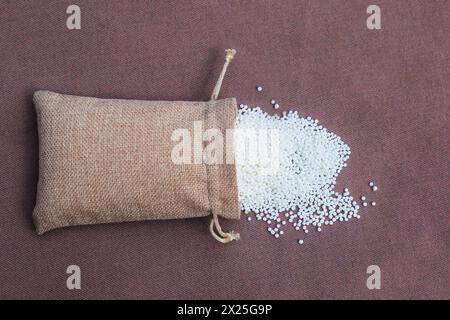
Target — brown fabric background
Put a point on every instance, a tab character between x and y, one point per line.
386	93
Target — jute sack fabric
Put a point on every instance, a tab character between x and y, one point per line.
109	160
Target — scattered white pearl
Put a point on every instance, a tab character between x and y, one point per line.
277	235
276	106
363	198
300	241
374	188
303	187
249	218
371	184
364	204
259	88
272	101
373	203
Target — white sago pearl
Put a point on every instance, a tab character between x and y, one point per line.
310	160
363	198
259	88
373	203
364	204
371	184
374	188
300	241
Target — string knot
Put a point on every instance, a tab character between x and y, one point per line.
221	236
230	54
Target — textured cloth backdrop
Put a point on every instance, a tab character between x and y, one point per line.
385	92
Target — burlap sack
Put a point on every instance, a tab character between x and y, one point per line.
109	160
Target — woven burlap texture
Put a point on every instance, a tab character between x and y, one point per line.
109	160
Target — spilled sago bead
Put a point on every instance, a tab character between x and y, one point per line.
301	191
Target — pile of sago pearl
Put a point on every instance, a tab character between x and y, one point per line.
297	186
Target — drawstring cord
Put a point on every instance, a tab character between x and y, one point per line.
228	58
221	236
